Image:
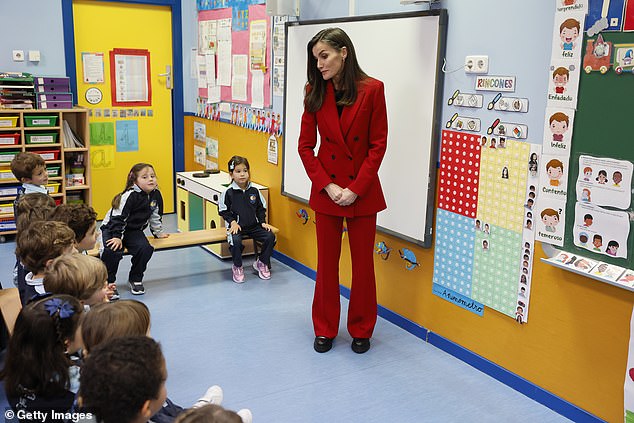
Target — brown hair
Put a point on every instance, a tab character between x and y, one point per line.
237	160
549	212
210	413
23	165
32	207
118	319
559	117
561	71
76	274
570	24
78	217
555	163
351	72
41	242
131	180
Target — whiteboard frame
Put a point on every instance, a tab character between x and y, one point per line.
423	236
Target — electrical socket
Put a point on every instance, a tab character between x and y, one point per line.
476	64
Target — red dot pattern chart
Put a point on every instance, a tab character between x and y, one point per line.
459	173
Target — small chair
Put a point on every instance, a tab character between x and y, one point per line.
10	307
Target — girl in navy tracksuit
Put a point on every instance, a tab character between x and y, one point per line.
243	208
138	205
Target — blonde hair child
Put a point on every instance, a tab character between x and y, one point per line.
84	277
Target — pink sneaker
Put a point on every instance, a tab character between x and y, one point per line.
238	274
262	269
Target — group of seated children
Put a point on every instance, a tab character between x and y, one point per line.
69	332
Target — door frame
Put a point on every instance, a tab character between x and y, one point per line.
178	125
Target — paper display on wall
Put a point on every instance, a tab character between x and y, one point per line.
92	66
207	37
199	154
257	45
224	52
239	77
604	181
600	230
131	77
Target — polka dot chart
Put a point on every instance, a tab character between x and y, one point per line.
502	189
459	173
453	254
496	269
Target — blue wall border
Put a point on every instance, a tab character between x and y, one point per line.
178	125
510	379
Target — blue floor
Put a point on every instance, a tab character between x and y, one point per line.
255	340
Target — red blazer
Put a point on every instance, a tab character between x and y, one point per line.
351	150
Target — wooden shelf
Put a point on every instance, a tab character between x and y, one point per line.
77	119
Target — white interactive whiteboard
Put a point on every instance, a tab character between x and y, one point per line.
404	51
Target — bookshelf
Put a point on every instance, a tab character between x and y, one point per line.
42	132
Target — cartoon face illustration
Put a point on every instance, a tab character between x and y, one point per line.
558	125
583	238
617	177
568	32
597	241
603	177
585	195
555	170
613	247
587	220
550	219
560	79
587	173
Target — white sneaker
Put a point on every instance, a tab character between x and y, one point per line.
213	395
246	415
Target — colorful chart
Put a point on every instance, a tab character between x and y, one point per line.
479	246
459	173
453	255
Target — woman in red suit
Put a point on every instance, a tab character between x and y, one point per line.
347	107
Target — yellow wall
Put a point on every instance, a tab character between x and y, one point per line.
574	346
100	27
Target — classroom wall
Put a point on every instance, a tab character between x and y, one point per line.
32	25
575	344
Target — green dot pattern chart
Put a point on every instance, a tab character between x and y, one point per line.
496	268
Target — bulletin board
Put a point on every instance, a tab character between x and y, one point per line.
602	128
412	96
240	45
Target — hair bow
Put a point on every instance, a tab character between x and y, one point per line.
55	305
232	165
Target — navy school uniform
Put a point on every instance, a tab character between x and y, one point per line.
136	211
248	208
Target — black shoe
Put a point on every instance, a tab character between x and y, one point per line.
360	345
136	288
322	344
115	295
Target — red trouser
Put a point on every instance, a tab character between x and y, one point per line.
326	302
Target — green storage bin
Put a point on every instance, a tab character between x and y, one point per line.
7	156
40	120
53	171
41	138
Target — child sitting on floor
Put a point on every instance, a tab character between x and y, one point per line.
38	373
37	246
84	277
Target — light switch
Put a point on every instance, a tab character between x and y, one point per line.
18	55
34	55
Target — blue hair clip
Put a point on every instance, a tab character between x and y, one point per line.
55	305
